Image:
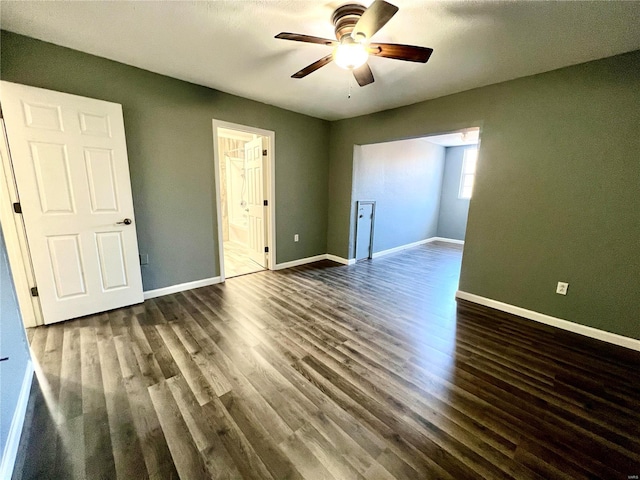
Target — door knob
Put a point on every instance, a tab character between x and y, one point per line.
126	221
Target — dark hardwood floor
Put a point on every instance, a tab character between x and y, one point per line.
328	372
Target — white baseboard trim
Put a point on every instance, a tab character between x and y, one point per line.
351	261
205	282
341	260
449	240
402	247
415	244
158	292
609	337
301	261
15	431
281	266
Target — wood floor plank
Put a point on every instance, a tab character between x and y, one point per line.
127	453
145	419
370	371
211	372
99	461
50	366
160	351
38	342
241	450
70	453
71	375
449	425
390	462
260	437
406	450
310	467
366	439
202	389
328	455
40	438
145	356
203	427
186	456
380	409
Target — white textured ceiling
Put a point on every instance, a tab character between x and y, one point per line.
229	45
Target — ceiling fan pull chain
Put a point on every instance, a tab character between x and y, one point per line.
349	94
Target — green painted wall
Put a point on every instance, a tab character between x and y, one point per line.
169	140
556	194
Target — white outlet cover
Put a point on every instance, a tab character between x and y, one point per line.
562	288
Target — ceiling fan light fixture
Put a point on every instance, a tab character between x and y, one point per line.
355	25
350	54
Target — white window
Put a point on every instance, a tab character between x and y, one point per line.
468	172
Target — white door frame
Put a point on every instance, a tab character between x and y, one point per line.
15	238
269	171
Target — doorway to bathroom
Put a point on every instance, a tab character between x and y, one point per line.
244	192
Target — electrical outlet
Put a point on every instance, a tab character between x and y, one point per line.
562	288
296	238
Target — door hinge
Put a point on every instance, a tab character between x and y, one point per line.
34	291
264	153
266	249
266	203
17	207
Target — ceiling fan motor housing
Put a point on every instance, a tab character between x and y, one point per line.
346	17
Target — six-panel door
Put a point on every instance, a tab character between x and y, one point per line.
70	162
255	204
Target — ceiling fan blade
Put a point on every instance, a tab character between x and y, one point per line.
410	53
313	67
364	75
373	19
298	37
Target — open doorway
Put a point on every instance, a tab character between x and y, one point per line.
421	190
411	201
244	190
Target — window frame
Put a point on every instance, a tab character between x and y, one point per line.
467	172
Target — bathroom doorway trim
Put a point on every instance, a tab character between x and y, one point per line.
269	171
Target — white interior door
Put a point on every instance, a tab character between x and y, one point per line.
70	163
255	193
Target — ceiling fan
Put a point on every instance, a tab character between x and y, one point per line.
354	26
